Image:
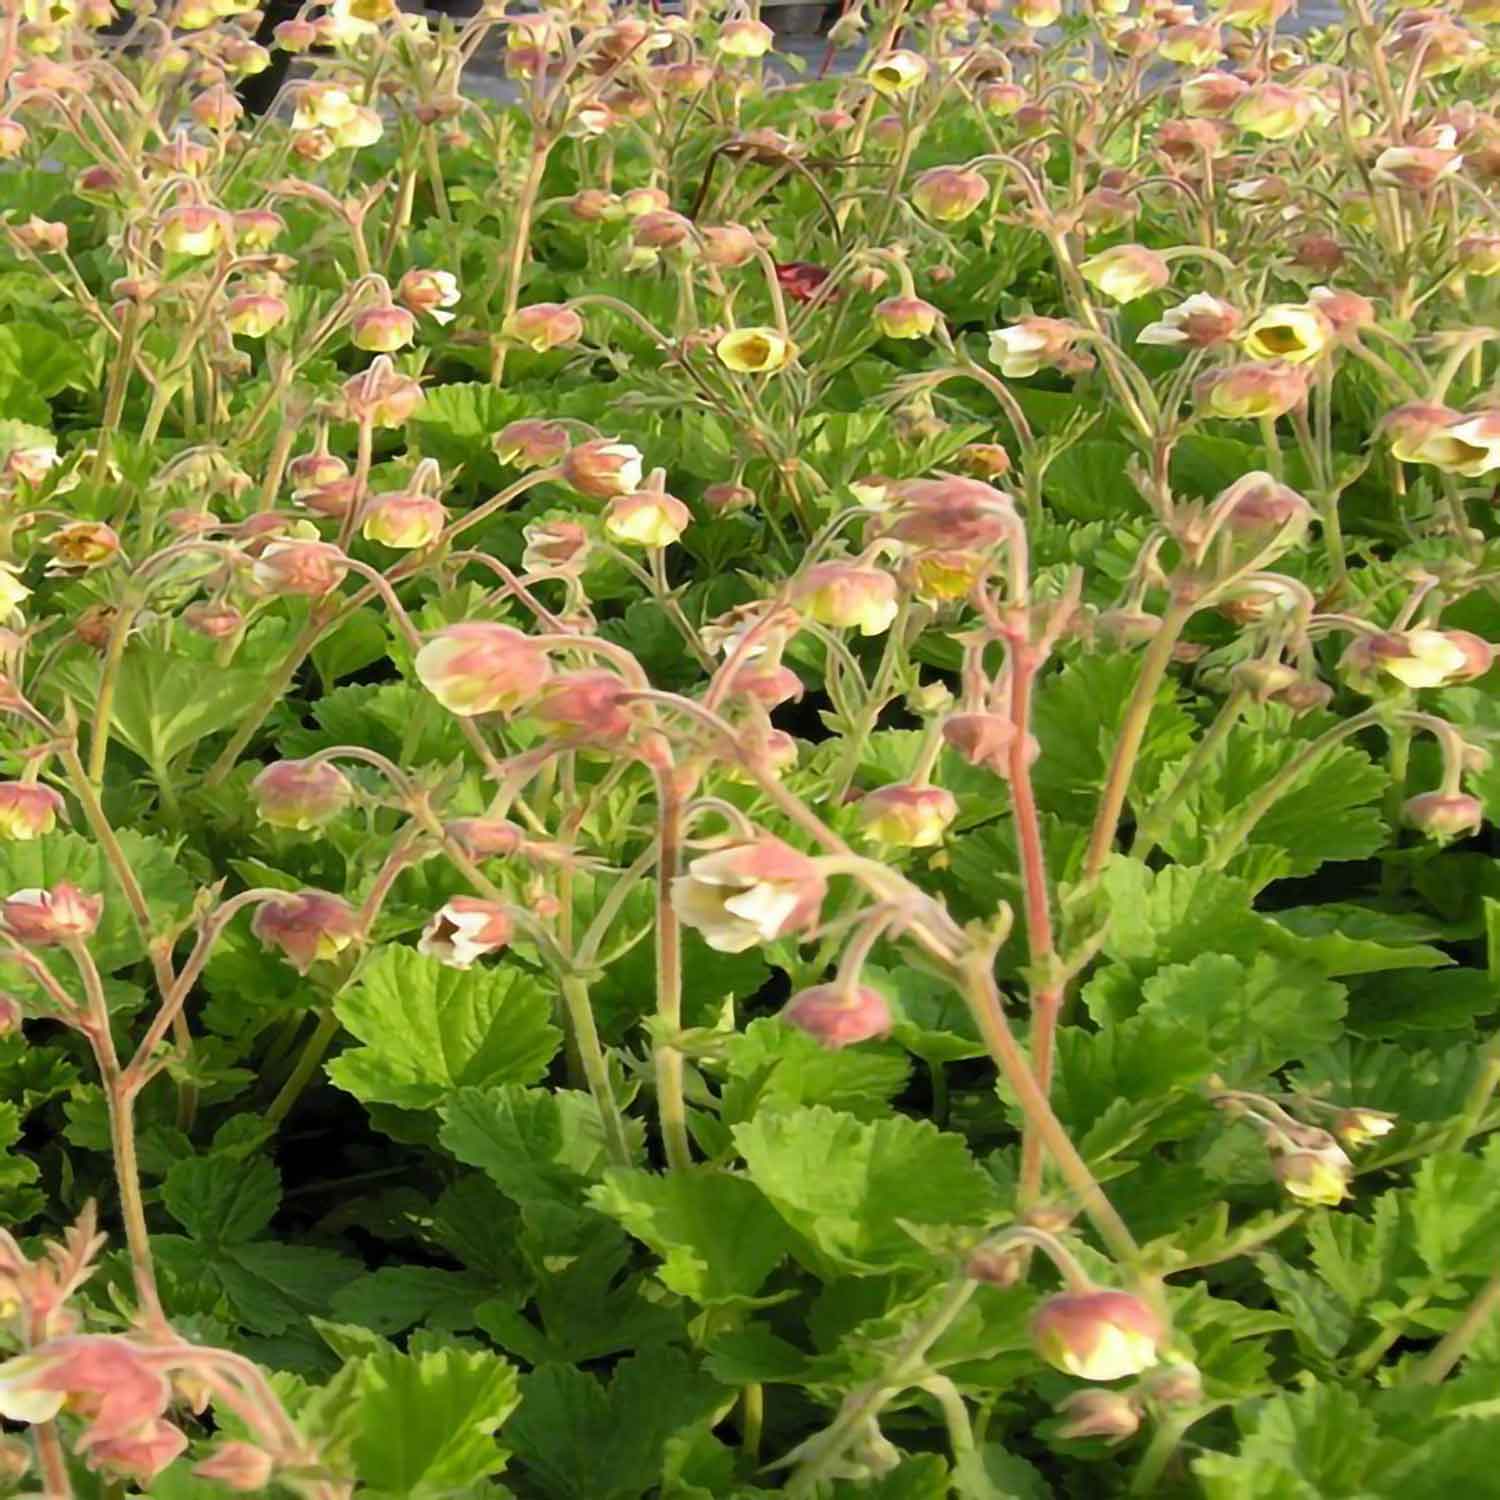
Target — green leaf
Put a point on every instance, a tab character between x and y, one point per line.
429	1030
991	1472
1454	1207
422	1425
274	1287
717	1236
39	362
775	1066
1172	915
1388	1005
20	1200
396	1298
582	1440
222	1201
846	1185
1319	1318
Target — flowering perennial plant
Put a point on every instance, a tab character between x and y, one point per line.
717	783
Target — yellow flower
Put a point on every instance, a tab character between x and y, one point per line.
755	351
897	73
1290	332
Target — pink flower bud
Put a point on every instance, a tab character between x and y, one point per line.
849	597
192	229
744	38
1415	169
984	460
140	1454
728	246
531	444
382	328
217	621
602	469
241	1467
28	810
217	108
305	570
906	318
801	280
750	893
1111	1415
983	739
555	547
300	794
254	314
486	838
13	137
661	230
296	35
307	927
430	292
770	686
1097	1335
593	204
543	326
11	1016
404	519
647	518
1212	94
685	78
1274	111
907	817
481	668
1001	99
953	513
949	194
44	918
1257	502
721	499
839	1015
98	181
588	705
42	236
1445	815
1253	390
466	929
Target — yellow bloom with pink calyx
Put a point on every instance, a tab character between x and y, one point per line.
1126	273
897	72
1291	332
755	351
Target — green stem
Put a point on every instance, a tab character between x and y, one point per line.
752	1419
308	1061
671	1106
595	1068
1147	829
1159	1452
1455	1343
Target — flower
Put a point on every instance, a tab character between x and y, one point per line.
745	38
543	326
383	328
1289	332
1467	445
464	930
1254	390
949	194
405	519
1257	502
307	926
253	315
481	668
749	893
140	1454
800	280
1357	1126
430	292
381	395
839	1015
589	705
306	570
28	810
646	518
1212	95
1111	1415
12	590
1431	658
554	546
755	351
983	739
44	918
1125	273
300	794
1200	322
1023	348
907	817
848	596
728	245
192	229
1097	1335
531	444
1416	169
239	1466
897	72
1346	311
103	1378
906	317
1318	1174
1274	111
1444	815
1194	46
602	468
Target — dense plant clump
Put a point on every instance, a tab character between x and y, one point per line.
720	783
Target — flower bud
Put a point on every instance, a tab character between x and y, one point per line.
192	229
481	668
306	570
1318	252
1318	1175
801	280
216	621
594	204
646	518
41	236
838	1015
554	547
217	108
1274	112
749	893
1001	99
770	686
466	929
1253	390
728	245
531	444
44	918
745	38
985	460
1037	14
383	328
1126	272
907	817
897	73
906	318
241	1467
949	194
849	597
1097	1335
755	351
1445	815
721	499
1357	1126
486	838
1023	348
1173	1383
983	739
1212	95
13	138
590	705
1111	1415
28	810
307	927
296	35
300	794
543	326
404	519
1414	169
253	315
1200	322
602	468
1257	502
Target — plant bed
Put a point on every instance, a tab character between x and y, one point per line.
719	783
